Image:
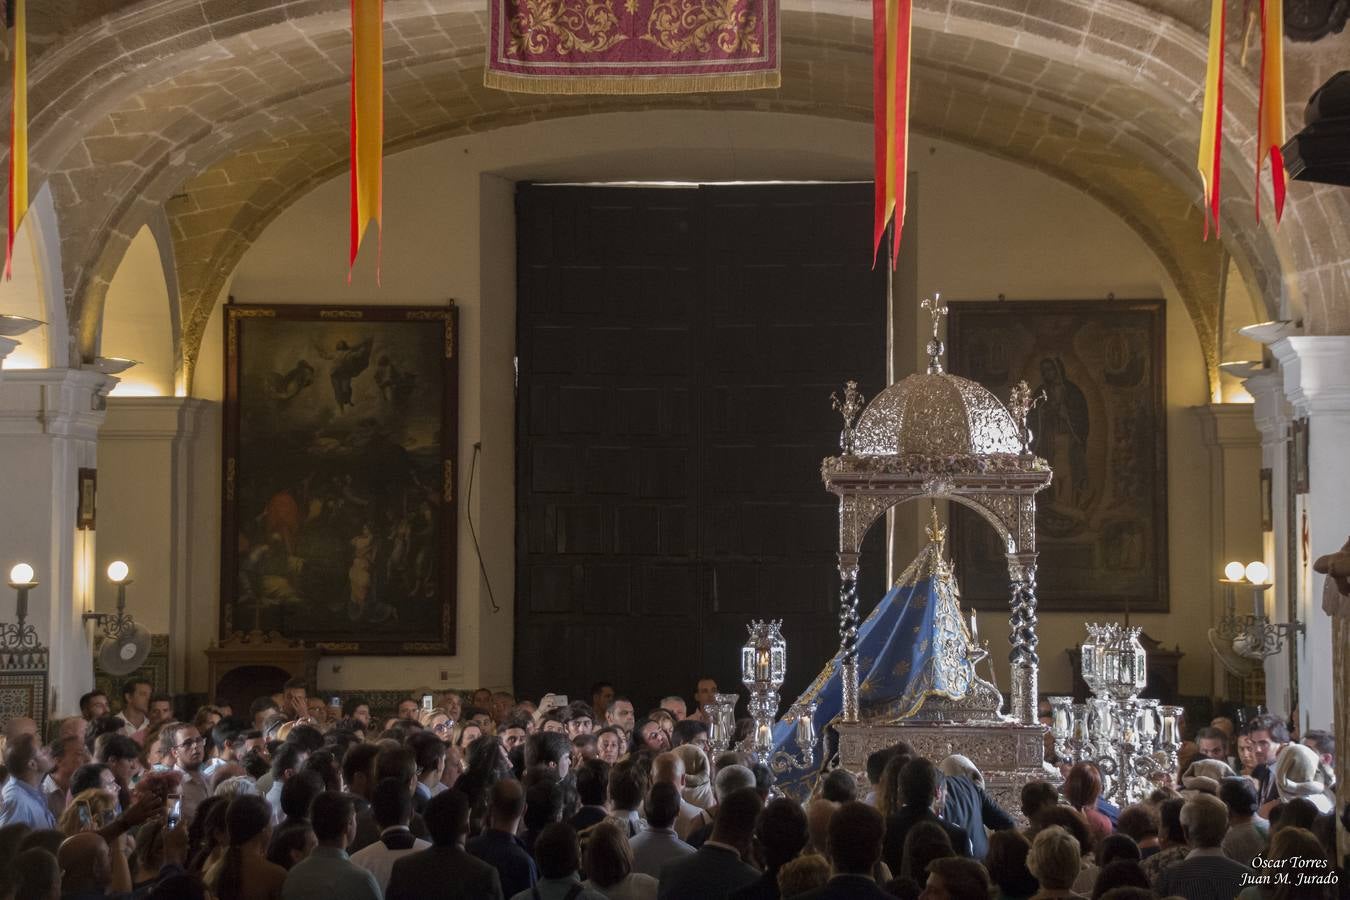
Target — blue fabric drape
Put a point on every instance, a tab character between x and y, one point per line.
912	646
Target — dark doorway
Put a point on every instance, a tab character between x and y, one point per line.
242	685
677	352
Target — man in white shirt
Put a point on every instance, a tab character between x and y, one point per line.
392	805
658	843
69	754
136	709
668	768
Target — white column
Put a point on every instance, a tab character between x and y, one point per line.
7	346
49	420
1272	414
148	472
1235	512
1317	383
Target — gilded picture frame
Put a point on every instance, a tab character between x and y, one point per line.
339	518
1102	524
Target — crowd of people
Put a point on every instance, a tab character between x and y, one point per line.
492	796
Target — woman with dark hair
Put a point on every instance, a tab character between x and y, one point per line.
924	842
1082	788
1007	865
1117	846
485	765
1297	813
148	857
889	799
609	866
244	872
1117	874
1171	838
207	836
922	846
291	843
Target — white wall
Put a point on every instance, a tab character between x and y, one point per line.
982	226
139	321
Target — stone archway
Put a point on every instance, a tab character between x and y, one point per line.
227	111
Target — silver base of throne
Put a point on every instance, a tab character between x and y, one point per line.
1007	754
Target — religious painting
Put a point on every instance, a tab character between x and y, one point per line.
1097	369
339	477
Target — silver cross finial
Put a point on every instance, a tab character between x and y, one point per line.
937	309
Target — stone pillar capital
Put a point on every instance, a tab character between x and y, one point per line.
59	402
1227	425
1316	372
147	418
1270	408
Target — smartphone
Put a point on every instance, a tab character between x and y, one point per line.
175	811
427	702
335	702
559	701
86	818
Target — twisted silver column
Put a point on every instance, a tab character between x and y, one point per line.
1023	659
848	642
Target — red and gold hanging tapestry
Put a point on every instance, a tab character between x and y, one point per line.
632	46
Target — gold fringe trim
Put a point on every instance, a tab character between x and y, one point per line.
631	84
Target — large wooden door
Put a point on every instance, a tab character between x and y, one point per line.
677	351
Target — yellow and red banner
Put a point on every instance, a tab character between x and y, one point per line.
367	125
1270	111
1210	162
18	131
891	20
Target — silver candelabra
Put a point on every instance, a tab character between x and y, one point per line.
1129	739
763	667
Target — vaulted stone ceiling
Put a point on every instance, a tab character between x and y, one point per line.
226	111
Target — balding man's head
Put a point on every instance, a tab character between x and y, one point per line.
20	725
85	863
668	768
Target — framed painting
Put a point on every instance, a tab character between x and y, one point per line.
1102	524
340	437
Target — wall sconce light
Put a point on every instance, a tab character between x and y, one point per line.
116	625
1258	635
19	635
13	326
113	365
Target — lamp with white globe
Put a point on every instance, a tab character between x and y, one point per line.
116	624
1257	635
19	635
125	644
